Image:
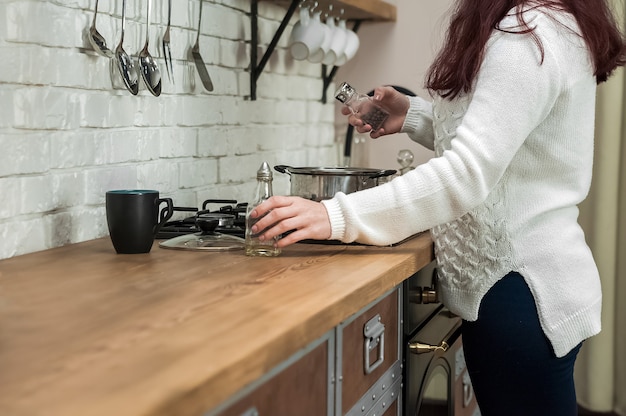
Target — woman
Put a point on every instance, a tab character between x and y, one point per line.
511	124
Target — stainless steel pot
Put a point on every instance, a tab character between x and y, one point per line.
323	183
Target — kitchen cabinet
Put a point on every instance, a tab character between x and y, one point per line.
299	386
369	364
353	370
353	10
86	331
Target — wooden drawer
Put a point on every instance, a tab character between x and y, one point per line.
302	387
359	370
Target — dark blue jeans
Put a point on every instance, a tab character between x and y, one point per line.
510	361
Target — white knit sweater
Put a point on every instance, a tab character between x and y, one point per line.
513	160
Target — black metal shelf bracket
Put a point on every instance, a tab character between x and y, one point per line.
257	69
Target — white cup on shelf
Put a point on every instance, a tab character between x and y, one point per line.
307	35
316	57
337	44
351	47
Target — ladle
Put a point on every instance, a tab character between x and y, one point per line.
97	41
124	63
149	68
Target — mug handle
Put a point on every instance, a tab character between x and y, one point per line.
165	213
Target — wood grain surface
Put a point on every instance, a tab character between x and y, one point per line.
85	331
375	10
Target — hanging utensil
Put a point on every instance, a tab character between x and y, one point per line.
167	53
97	41
125	64
147	64
197	58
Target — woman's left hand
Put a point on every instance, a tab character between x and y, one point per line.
279	214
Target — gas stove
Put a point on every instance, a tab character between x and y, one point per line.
235	226
188	225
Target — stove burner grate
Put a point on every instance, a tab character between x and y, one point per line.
188	225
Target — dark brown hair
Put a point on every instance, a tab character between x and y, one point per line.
473	21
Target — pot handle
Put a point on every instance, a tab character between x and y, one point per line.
383	173
283	169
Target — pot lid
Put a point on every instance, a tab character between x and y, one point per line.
340	171
206	242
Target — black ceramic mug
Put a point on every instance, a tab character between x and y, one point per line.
134	218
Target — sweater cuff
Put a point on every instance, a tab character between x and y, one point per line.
418	122
337	222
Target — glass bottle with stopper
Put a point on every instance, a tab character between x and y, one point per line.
361	105
254	246
405	159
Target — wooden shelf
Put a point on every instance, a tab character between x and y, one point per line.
371	10
353	10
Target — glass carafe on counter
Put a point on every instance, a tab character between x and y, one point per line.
362	105
254	246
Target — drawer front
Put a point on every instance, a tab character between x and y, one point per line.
302	388
366	353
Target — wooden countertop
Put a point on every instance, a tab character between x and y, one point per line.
85	331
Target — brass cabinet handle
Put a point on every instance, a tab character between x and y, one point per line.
419	348
448	339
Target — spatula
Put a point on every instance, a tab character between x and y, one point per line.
197	58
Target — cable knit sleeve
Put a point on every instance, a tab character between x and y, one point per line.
418	123
514	91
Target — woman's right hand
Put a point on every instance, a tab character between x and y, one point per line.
389	99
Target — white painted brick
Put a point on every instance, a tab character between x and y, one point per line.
36	194
122	109
213	141
22	236
161	175
223	22
6	111
10	189
132	146
88	223
239	5
59	228
243	168
148	111
198	111
95	108
11	64
46	108
195	173
67	189
178	142
24	153
72	150
98	181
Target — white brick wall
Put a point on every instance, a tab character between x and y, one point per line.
69	131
